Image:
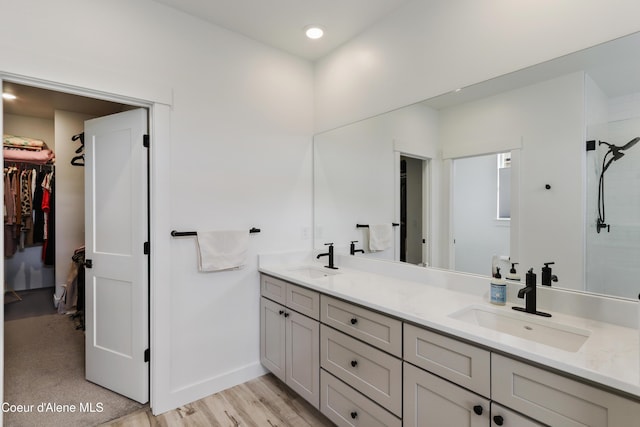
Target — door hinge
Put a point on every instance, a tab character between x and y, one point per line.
147	248
147	355
146	141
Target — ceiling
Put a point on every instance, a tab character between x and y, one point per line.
277	23
36	102
281	23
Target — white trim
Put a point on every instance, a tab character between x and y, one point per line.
481	149
2	273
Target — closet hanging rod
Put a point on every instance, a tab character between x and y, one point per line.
175	233
367	225
15	163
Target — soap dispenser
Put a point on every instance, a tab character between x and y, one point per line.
513	275
498	289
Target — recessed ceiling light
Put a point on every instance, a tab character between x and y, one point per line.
9	96
314	31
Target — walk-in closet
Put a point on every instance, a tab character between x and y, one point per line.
44	214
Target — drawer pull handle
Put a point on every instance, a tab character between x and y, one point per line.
354	363
477	409
354	415
498	420
354	320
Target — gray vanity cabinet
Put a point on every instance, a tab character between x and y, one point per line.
449	384
430	401
361	375
504	417
363	368
557	400
290	341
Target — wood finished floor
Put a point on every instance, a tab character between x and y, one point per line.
264	401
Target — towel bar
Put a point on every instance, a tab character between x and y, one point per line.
367	225
175	233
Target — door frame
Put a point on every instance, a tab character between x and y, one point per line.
159	117
426	203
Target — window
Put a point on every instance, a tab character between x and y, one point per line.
504	186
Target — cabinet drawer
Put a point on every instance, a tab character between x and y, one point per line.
501	416
462	363
346	407
556	400
374	373
376	329
303	300
430	401
274	289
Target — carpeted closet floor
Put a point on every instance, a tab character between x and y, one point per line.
44	367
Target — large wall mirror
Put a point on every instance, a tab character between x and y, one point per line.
499	172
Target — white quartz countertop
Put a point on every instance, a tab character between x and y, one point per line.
610	356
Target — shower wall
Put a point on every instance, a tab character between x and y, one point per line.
612	257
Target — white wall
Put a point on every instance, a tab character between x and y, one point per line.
25	269
611	256
544	118
478	234
357	174
240	156
430	47
69	193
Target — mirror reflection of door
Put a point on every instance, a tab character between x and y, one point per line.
481	211
412	223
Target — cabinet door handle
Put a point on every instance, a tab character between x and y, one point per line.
477	409
498	420
286	314
354	415
354	320
354	363
281	312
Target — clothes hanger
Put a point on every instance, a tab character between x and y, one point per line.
78	160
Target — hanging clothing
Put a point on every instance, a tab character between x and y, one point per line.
49	254
38	213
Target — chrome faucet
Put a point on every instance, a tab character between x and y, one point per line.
352	248
330	255
529	295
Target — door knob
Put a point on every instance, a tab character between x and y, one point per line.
498	420
477	409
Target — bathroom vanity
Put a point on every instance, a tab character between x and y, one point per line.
371	349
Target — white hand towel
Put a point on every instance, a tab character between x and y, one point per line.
380	237
222	250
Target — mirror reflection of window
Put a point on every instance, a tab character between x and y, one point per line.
479	234
504	186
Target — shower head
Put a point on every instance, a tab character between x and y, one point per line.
617	151
630	143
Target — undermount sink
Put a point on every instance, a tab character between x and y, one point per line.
313	272
525	326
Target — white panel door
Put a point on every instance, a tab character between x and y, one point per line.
116	229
